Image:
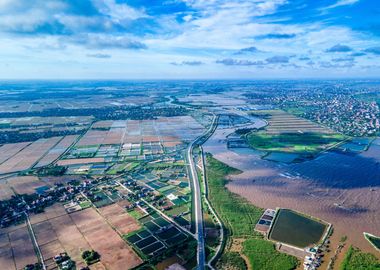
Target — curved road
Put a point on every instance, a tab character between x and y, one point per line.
197	197
201	256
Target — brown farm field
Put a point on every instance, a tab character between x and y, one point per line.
282	122
96	137
119	219
19	185
164	129
25	184
9	150
57	150
56	231
76	161
16	248
60	234
5	191
28	156
115	253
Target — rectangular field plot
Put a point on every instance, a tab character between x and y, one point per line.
169	233
119	219
288	138
5	191
57	151
100	199
92	137
16	248
88	151
78	161
115	253
156	235
9	150
295	229
146	241
25	184
6	256
283	122
28	156
156	247
107	151
60	234
174	240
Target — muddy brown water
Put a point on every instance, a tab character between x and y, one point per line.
341	189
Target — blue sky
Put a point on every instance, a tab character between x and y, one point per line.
218	39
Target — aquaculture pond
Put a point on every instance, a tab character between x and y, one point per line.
295	229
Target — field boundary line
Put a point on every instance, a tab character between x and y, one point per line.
13	255
47	151
35	243
29	143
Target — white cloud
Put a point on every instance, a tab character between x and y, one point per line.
340	3
119	12
26	22
27	16
211	30
222	24
77	23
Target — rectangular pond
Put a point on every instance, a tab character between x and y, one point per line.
295	229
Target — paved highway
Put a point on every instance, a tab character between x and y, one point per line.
197	197
201	256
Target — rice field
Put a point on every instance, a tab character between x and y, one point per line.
9	150
131	140
55	152
28	156
287	138
163	129
115	253
20	185
65	162
282	122
17	248
25	184
119	219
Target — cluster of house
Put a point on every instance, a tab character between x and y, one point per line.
14	209
314	259
64	261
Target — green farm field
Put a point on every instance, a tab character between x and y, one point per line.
290	134
263	255
309	143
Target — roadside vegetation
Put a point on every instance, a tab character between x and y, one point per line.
355	259
53	170
239	218
232	260
240	215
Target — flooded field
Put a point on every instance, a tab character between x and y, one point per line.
338	188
